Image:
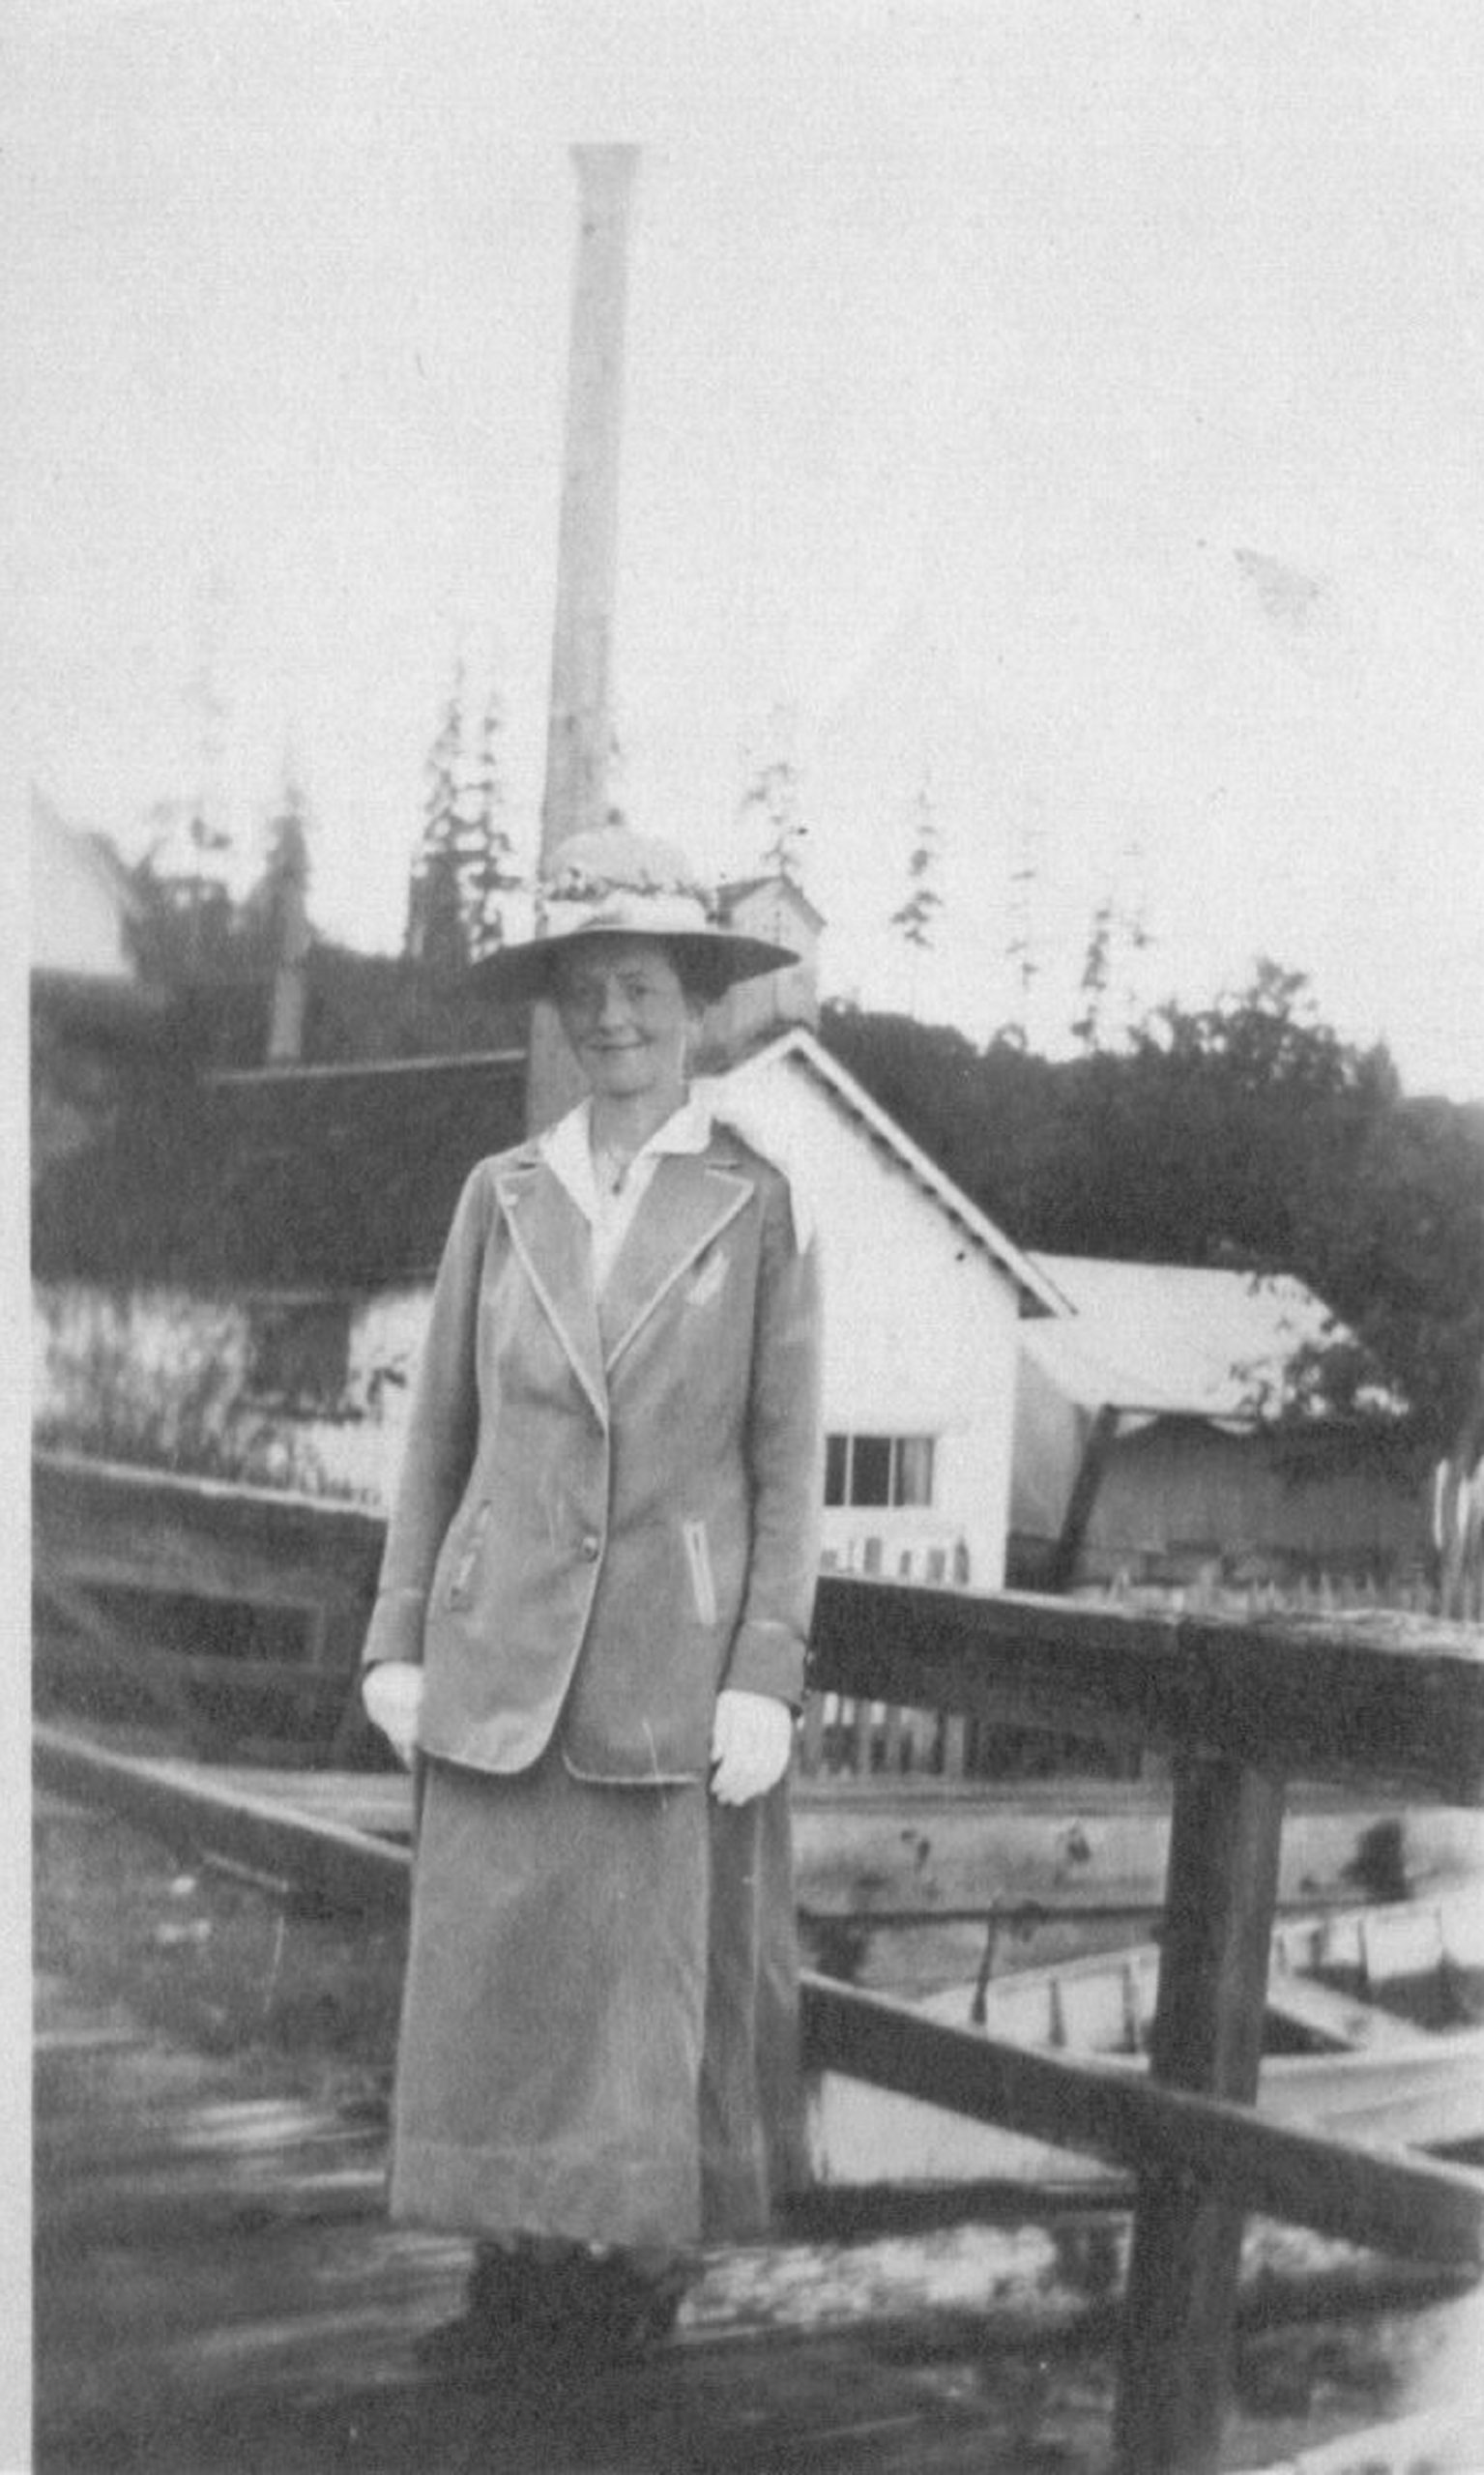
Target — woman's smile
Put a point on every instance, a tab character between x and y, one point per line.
626	1016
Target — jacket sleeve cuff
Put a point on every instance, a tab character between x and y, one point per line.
395	1628
767	1658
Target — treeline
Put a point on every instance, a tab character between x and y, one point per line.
1244	1134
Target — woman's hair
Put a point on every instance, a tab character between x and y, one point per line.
704	975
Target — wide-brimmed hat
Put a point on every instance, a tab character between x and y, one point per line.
612	882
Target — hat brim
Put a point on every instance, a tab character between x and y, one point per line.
709	960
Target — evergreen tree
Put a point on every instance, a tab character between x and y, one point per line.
465	863
1087	1026
488	867
916	916
770	812
1117	927
275	915
188	914
272	916
435	932
1020	946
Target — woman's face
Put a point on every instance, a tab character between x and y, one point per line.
627	1015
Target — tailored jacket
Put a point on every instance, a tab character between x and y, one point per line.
609	1510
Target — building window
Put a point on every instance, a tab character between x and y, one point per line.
870	1470
890	1470
298	1354
912	1469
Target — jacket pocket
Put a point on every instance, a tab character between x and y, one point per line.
708	1281
698	1559
460	1588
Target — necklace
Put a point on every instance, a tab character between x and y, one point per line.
611	1167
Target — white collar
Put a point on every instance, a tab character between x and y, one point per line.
567	1146
687	1128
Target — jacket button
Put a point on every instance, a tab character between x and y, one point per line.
592	1548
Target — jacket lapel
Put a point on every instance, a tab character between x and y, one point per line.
689	1200
550	1237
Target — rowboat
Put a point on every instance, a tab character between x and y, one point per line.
1371	2034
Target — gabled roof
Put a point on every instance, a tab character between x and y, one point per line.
800	1048
82	906
736	890
90	852
1173	1341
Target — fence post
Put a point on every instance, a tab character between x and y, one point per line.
1179	2309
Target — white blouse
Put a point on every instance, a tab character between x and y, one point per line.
608	1206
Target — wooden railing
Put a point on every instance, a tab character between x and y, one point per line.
271	1591
1241	1708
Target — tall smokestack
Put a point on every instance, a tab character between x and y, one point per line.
579	737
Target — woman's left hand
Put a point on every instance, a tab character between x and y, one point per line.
752	1737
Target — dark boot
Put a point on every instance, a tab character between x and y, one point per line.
533	2311
484	2340
615	2308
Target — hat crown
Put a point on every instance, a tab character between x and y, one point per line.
608	859
609	881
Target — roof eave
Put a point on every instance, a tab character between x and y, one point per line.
1038	1297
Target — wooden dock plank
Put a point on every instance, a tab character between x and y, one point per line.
217	2289
218	2294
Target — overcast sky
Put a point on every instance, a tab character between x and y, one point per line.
1079	408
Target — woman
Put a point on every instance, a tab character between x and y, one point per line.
591	1626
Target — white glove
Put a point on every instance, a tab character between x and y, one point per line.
752	1736
392	1692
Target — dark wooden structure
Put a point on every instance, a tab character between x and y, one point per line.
285	1582
1241	1708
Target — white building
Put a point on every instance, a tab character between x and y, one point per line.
1148	1445
923	1302
82	903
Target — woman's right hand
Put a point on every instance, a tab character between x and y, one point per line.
391	1693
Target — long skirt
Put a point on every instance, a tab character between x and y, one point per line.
599	2022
